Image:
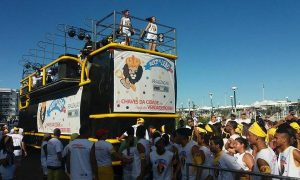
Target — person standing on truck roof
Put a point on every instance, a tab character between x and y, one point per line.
126	28
81	161
54	157
151	30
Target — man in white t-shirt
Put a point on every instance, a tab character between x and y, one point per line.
222	159
161	161
19	147
265	159
289	156
104	152
54	157
189	152
81	161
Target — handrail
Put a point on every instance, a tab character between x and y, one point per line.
238	172
83	70
26	104
131	48
60	59
132	115
43	69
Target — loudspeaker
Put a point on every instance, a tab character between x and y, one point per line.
68	69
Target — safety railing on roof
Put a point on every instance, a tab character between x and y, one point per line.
221	173
27	84
109	27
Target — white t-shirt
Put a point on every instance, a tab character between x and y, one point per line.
161	165
227	162
54	146
209	157
152	32
239	159
286	158
135	128
136	166
169	147
103	151
270	157
17	139
126	25
80	164
185	156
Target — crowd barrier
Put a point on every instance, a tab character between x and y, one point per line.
235	174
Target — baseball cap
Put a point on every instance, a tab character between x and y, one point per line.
140	120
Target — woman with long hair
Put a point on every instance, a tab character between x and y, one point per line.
151	30
244	158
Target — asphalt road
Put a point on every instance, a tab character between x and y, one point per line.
30	168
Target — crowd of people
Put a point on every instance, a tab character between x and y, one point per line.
240	144
260	145
12	149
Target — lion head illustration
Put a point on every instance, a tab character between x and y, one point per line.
132	72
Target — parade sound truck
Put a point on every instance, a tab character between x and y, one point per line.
106	85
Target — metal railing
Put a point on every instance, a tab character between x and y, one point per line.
109	27
27	83
236	174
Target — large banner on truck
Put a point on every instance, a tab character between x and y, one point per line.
143	83
63	113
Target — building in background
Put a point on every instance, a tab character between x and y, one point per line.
8	104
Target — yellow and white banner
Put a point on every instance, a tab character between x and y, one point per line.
63	113
143	83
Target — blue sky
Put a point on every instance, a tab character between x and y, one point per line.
220	43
